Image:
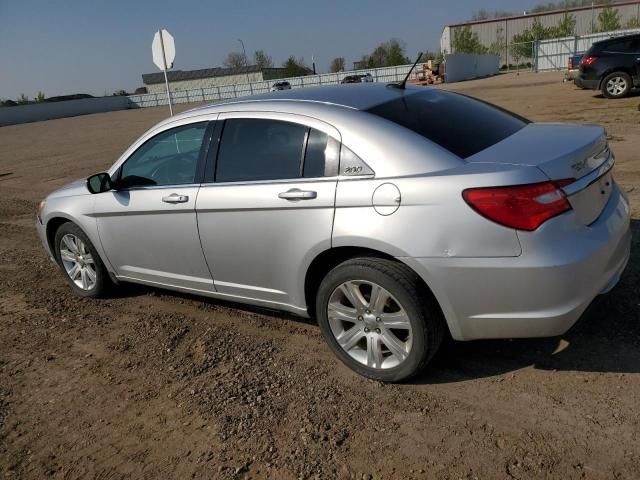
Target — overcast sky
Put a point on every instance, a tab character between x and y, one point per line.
97	47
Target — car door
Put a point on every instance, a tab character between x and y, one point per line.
147	225
636	57
266	207
622	53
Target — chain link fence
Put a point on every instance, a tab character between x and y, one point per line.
554	54
518	56
225	92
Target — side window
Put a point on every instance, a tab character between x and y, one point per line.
169	158
259	149
321	155
620	46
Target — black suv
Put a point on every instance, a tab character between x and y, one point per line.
612	66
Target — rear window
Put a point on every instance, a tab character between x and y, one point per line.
462	125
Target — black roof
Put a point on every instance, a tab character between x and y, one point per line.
176	75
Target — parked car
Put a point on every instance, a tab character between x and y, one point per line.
356	207
352	79
366	78
612	66
280	86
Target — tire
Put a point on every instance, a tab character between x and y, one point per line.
85	257
616	85
373	346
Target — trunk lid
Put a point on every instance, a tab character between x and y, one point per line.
562	152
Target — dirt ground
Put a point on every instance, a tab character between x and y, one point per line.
153	384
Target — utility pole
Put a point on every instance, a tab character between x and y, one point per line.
244	53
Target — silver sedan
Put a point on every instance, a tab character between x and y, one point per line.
391	215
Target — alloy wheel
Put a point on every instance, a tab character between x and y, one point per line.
369	324
78	262
616	86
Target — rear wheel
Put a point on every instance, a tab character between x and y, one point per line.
377	318
82	267
616	85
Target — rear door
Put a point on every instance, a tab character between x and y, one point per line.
624	52
266	207
636	55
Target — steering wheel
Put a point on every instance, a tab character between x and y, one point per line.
178	169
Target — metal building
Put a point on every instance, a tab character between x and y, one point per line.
501	30
208	77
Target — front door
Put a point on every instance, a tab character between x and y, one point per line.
148	225
268	207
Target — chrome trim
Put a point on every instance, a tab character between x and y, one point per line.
591	177
158	187
273	182
241	286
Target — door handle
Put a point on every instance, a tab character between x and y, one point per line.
175	198
297	194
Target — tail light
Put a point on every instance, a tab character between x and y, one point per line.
588	60
523	207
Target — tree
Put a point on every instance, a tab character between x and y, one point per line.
235	60
387	54
484	14
120	93
295	68
498	46
466	41
337	65
23	99
523	42
262	59
566	27
609	20
633	22
40	98
434	56
564	4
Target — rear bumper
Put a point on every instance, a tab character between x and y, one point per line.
588	83
541	293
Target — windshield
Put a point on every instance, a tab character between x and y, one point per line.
462	125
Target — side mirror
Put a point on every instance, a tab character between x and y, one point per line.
100	182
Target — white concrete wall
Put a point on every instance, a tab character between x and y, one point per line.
465	66
205	82
70	108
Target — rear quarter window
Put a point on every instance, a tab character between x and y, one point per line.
460	124
619	46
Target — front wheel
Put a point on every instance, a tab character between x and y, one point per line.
377	318
616	85
79	260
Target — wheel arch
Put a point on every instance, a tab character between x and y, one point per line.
55	221
614	70
51	227
325	261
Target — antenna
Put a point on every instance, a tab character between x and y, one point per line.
402	85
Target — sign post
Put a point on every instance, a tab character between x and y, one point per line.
163	50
